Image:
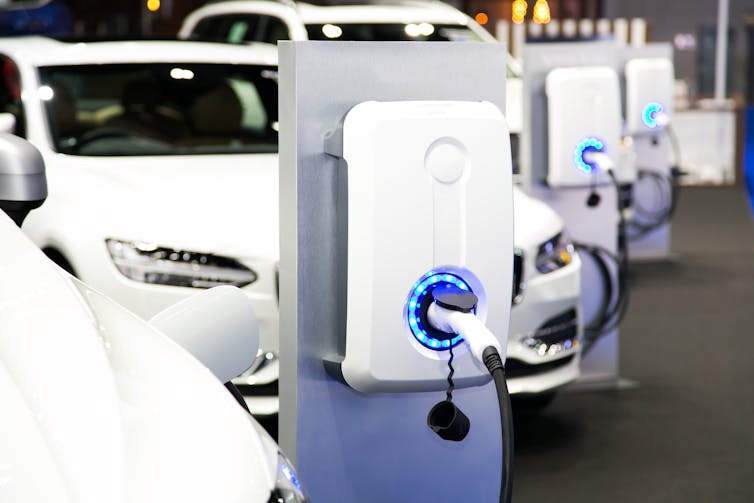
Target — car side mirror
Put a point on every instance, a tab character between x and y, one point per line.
217	326
23	185
7	123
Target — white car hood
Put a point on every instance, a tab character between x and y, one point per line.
90	409
220	203
533	221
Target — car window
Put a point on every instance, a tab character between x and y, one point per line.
10	94
161	109
214	28
274	29
241	28
392	32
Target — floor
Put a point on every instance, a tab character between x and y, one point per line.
686	434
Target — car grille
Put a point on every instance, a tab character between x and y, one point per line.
556	335
518	273
558	329
517	368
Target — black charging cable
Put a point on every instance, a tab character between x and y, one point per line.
668	190
445	418
615	288
495	366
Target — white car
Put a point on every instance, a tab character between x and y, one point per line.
543	350
185	173
90	409
180	140
247	21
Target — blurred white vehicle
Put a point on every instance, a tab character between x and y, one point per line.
248	21
162	168
543	350
90	409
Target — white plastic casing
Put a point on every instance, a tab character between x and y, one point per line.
649	82
429	189
582	103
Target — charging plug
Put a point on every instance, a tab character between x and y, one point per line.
599	159
452	313
661	119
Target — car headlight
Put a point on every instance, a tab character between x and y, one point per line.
149	263
554	253
287	489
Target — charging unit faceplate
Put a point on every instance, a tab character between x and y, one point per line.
649	93
584	115
429	204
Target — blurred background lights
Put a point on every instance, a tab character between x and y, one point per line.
426	29
541	12
481	18
181	74
419	29
519	11
153	5
45	93
332	31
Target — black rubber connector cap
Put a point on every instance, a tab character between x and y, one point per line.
593	200
455	299
448	421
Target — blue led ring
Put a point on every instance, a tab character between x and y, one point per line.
590	144
419	300
649	114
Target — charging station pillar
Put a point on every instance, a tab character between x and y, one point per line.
350	446
596	226
652	144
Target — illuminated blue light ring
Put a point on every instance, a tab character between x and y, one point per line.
589	144
420	290
649	114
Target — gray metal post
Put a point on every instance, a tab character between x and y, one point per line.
589	225
721	50
349	446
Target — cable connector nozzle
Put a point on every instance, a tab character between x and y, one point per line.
465	324
600	159
492	359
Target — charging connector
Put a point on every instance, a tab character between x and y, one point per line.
453	312
452	321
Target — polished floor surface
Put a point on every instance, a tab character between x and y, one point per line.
686	434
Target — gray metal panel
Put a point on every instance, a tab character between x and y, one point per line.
590	225
651	153
348	446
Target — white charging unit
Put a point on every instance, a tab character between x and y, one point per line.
583	118
649	94
429	204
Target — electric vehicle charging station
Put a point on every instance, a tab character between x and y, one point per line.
572	125
364	240
648	81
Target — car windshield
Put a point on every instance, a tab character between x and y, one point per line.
392	32
398	32
161	109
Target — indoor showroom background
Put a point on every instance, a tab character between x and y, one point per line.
369	251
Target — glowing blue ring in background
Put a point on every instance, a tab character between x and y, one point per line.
649	114
590	144
419	291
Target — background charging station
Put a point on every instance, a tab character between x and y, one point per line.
589	225
351	446
652	145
